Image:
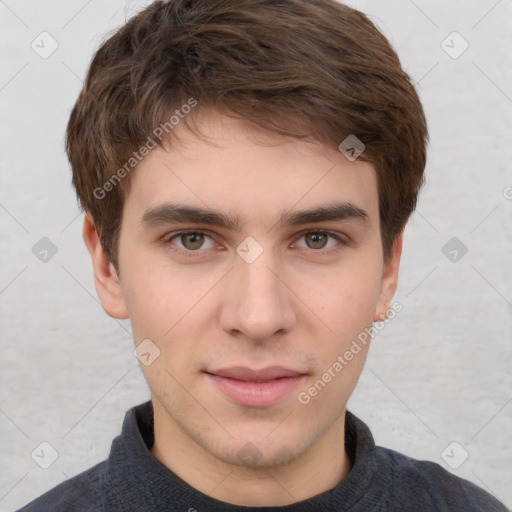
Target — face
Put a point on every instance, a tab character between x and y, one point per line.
253	304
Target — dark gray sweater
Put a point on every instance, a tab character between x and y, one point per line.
132	480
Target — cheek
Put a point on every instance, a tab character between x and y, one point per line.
340	355
152	301
347	307
172	308
347	300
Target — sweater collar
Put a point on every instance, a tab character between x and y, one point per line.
138	481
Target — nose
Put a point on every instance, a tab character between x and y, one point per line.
258	304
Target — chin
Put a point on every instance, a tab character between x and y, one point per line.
258	457
258	451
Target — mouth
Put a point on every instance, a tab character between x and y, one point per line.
255	388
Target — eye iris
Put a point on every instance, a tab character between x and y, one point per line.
195	239
318	240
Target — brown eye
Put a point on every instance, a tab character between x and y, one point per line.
316	240
192	241
322	241
189	243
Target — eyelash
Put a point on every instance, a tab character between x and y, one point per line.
167	240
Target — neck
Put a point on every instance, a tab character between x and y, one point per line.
317	470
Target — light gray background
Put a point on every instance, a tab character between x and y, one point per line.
439	372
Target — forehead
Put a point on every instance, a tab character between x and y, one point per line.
251	173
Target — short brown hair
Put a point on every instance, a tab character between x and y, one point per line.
311	69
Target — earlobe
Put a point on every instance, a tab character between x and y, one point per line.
106	280
389	281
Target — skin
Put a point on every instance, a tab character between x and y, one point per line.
294	306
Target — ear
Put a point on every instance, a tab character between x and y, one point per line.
389	280
108	285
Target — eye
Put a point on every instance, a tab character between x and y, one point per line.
190	241
318	240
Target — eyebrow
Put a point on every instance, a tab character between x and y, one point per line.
169	213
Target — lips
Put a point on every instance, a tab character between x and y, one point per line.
248	375
255	388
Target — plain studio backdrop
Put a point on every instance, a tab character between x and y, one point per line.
438	382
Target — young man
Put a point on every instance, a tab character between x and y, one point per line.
247	168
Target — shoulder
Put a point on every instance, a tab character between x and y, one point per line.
81	493
421	480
